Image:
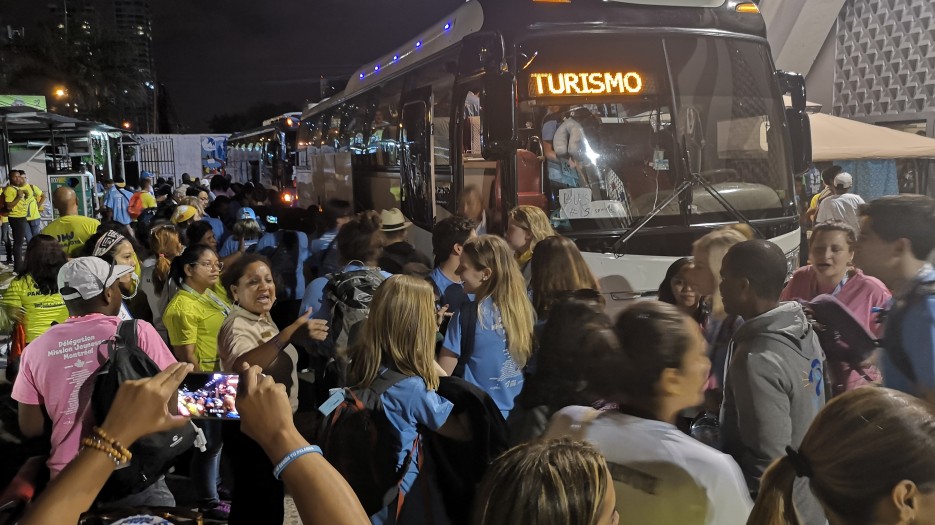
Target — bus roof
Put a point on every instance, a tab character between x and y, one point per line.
530	16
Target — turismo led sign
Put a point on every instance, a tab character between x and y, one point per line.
585	84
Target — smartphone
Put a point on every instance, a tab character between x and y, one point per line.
209	395
272	219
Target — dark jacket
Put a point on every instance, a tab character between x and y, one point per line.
399	254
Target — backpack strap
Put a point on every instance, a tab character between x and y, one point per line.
387	378
468	324
127	332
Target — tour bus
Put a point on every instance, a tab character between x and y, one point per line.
265	155
670	116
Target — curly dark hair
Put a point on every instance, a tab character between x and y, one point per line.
44	258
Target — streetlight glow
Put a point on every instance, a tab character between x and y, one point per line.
60	92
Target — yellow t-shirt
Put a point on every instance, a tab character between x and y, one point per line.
72	231
26	207
193	319
148	200
34	213
39	310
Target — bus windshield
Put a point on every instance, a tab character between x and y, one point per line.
625	119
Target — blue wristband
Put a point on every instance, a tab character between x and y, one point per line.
292	456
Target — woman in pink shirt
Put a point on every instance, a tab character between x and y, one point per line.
831	253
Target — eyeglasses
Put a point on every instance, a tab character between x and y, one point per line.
210	265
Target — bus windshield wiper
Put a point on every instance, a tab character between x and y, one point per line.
694	179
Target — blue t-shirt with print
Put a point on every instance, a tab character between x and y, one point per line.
490	367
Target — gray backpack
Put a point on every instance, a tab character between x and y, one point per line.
349	294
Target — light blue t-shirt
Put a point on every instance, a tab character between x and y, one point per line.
408	404
490	367
118	200
917	338
320	244
452	293
232	244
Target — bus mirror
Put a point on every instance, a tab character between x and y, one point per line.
800	130
497	116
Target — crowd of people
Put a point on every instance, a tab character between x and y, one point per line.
500	388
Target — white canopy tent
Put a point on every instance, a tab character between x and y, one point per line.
836	139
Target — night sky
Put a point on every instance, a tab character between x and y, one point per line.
224	57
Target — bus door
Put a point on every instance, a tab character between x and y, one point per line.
416	163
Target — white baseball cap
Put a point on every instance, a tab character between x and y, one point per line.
88	277
843	180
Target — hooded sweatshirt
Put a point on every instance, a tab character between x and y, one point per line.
773	390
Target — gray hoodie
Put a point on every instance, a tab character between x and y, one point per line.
773	390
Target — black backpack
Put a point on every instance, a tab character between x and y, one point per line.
154	454
284	260
360	443
845	341
326	262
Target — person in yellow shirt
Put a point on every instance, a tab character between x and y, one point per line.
23	201
33	298
70	229
193	319
146	186
6	237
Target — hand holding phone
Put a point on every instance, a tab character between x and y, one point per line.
209	395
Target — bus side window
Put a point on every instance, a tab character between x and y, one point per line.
384	128
355	114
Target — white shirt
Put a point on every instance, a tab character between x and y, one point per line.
660	474
840	207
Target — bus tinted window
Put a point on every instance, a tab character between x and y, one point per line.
382	145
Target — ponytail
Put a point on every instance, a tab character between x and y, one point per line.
774	504
161	273
164	241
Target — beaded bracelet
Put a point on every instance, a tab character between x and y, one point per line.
110	441
115	455
292	456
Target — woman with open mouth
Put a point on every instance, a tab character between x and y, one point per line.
248	335
831	253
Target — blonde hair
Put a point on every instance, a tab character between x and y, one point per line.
507	288
194	202
246	229
533	220
165	242
399	332
860	446
715	245
547	482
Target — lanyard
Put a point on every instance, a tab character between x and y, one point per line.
840	285
211	297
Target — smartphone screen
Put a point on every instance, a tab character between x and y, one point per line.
209	395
